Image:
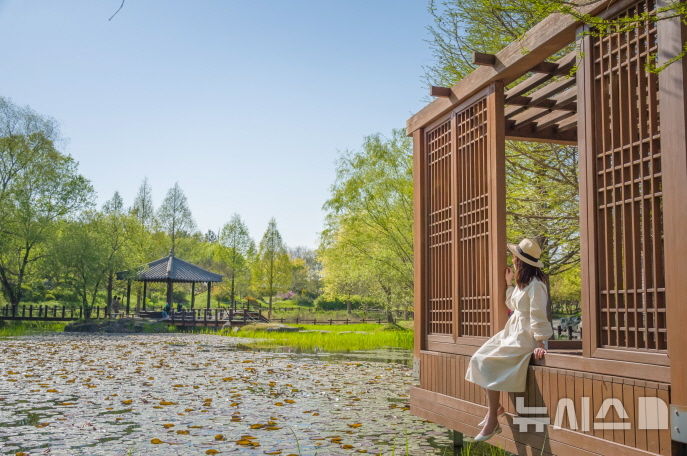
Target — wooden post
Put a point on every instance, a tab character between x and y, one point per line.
497	204
145	293
193	294
209	293
169	293
673	115
419	237
128	296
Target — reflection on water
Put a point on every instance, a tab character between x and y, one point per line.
169	394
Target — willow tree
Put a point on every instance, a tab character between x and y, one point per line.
367	243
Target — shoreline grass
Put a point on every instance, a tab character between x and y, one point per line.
26	328
329	338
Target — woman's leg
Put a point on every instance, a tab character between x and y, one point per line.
493	399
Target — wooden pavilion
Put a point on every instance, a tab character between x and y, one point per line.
629	126
169	270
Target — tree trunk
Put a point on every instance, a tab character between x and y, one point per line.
269	312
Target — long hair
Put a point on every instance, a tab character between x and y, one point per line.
525	272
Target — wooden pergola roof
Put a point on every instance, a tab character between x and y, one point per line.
542	106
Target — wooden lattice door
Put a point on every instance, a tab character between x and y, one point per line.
622	195
464	216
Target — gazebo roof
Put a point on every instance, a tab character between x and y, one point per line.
172	269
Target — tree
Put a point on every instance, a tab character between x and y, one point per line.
235	237
119	232
143	205
368	231
462	27
82	257
272	265
38	187
307	271
174	214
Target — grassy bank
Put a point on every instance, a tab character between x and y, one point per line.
24	328
331	338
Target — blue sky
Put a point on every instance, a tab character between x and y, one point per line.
247	104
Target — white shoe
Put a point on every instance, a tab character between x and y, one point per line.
484	437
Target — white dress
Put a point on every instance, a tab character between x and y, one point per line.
501	363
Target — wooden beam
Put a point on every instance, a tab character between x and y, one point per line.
565	64
540	99
567	124
541	41
436	91
553	118
545	67
480	58
549	103
549	135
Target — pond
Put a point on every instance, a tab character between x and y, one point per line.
188	394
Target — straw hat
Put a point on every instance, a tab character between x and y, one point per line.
527	250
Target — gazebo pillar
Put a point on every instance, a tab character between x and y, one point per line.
145	294
193	294
169	292
209	291
128	296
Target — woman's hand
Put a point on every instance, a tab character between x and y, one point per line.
509	276
540	351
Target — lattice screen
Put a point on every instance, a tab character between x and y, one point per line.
628	192
439	230
473	220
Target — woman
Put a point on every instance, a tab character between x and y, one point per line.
501	363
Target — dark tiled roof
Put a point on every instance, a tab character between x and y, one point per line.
173	269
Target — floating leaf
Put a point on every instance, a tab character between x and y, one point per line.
156	441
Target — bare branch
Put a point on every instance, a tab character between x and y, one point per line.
118	10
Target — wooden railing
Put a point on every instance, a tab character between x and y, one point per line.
54	313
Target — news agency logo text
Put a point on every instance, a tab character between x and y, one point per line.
652	413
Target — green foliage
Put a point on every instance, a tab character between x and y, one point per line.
174	214
542	201
272	268
143	208
39	186
353	302
25	328
238	249
367	246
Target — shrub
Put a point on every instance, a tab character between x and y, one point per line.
340	303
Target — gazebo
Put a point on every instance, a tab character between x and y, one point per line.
169	270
